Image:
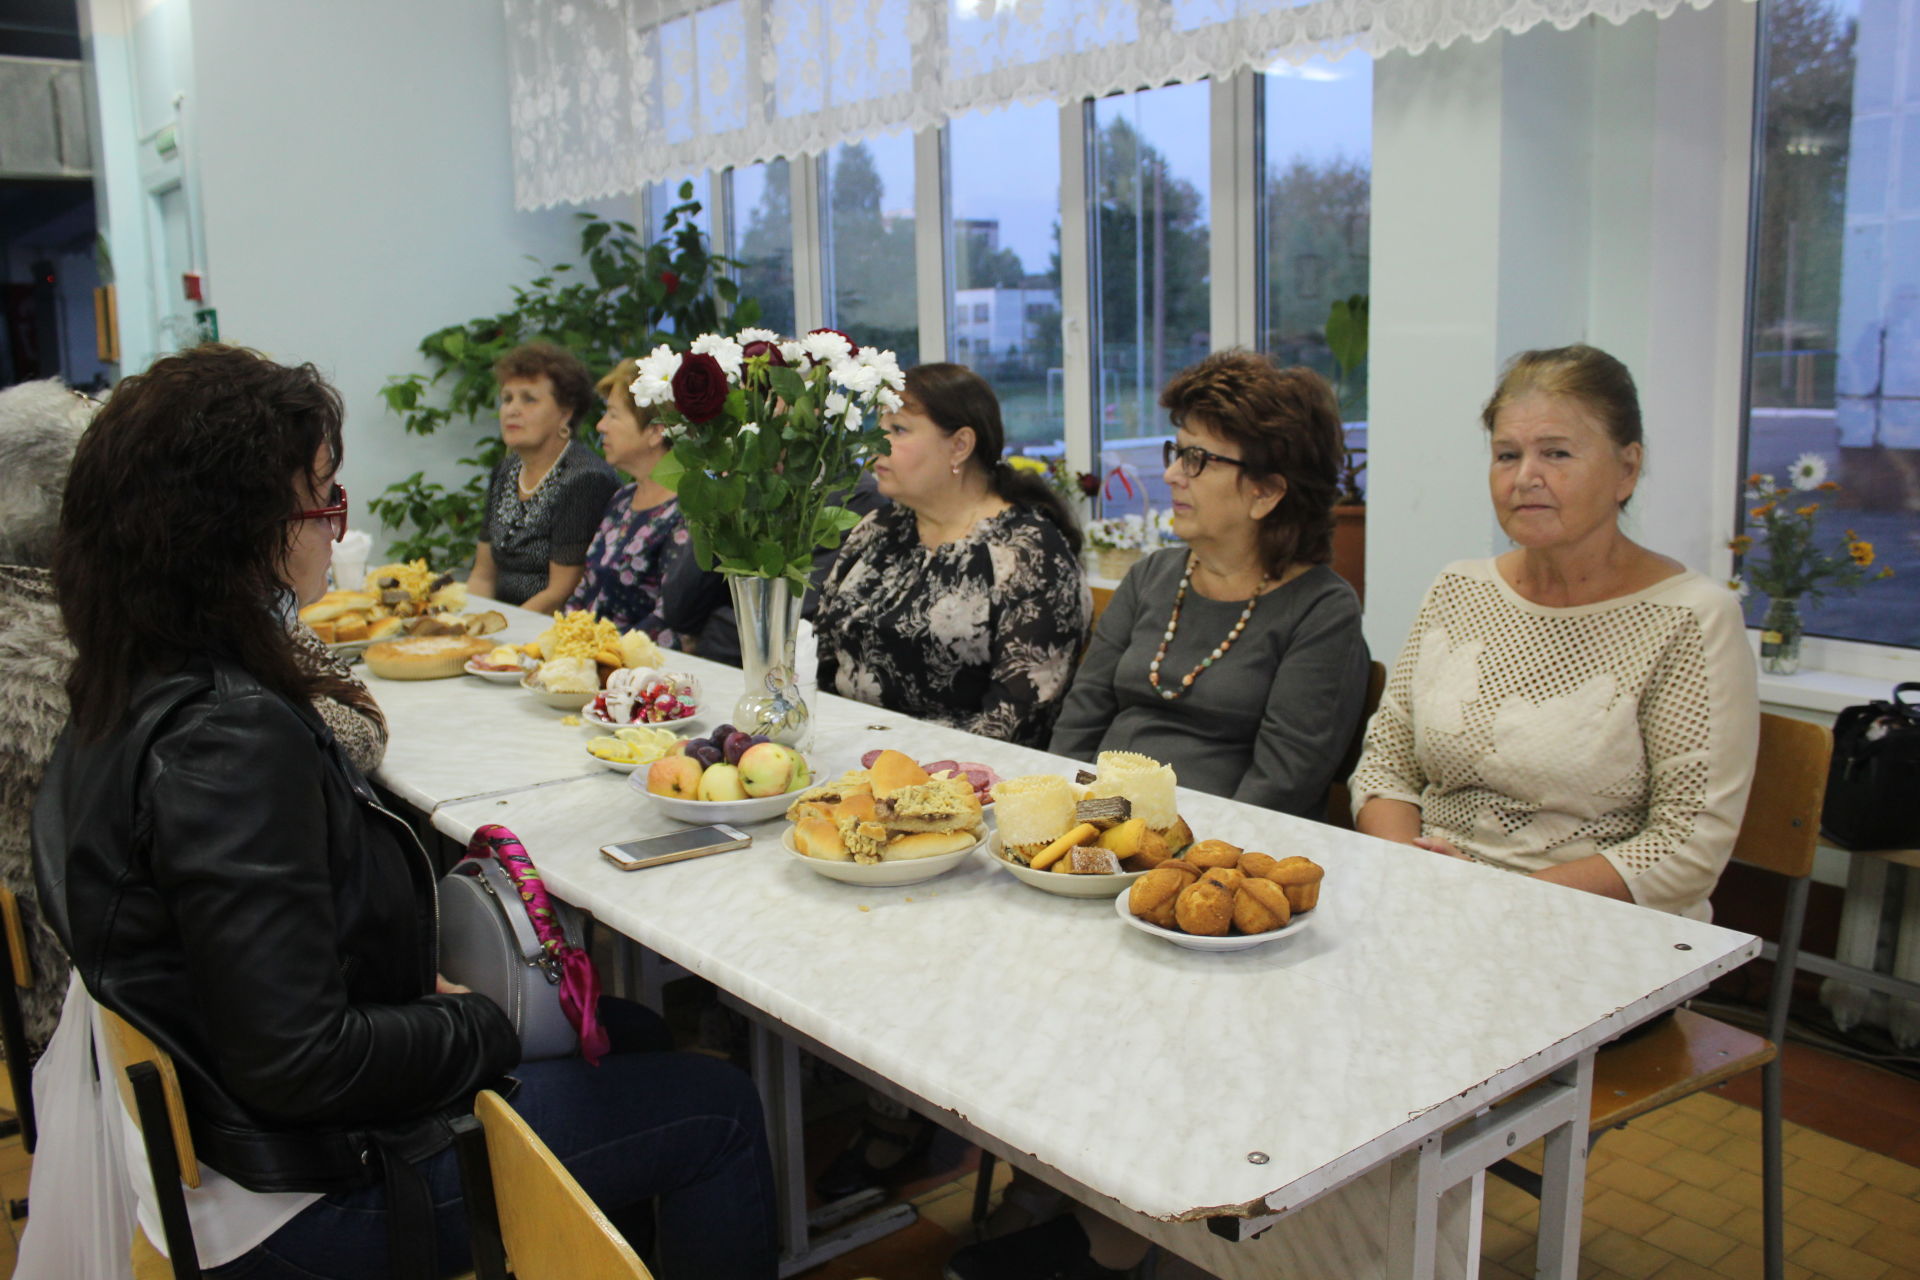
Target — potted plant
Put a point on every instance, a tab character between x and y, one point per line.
1796	565
1347	339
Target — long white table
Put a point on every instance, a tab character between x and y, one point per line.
1334	1084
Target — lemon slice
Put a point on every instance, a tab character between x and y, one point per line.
614	750
643	736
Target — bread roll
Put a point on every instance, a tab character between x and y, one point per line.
335	603
817	837
1203	908
1152	896
322	629
1033	810
1260	907
431	658
926	844
892	772
349	627
387	629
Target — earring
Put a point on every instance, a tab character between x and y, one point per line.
956	468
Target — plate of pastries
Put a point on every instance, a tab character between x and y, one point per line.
1219	897
396	601
571	661
891	824
1094	841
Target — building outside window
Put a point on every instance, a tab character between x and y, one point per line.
1834	306
762	240
1148	187
1003	181
868	217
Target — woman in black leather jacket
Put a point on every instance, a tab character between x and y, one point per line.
226	880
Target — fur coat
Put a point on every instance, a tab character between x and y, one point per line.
34	657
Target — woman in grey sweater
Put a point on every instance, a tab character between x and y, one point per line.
1237	659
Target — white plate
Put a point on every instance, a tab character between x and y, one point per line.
615	765
700	812
349	650
496	677
1199	942
1057	882
558	701
879	874
594	723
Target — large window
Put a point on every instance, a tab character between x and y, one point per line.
1148	188
1004	188
1317	180
1835	305
868	216
762	239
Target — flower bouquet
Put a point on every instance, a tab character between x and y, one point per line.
769	438
1796	565
1117	542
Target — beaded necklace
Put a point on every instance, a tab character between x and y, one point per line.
1173	626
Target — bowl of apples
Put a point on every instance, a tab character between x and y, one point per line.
729	776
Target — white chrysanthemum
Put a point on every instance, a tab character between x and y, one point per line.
756	335
1739	587
1761	487
853	419
796	355
749	429
826	348
888	400
1809	471
653	383
723	349
862	380
885	364
836	403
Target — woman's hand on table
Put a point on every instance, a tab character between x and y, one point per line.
441	987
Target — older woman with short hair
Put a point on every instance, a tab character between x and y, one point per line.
1237	658
40	423
545	499
1580	709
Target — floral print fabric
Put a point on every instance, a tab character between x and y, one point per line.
627	562
980	633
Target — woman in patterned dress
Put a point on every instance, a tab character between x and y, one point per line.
545	499
1580	709
964	602
641	531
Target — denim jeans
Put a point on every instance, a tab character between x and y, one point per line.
681	1129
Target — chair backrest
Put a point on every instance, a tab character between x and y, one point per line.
1339	799
1781	827
1102	597
550	1228
128	1046
16	939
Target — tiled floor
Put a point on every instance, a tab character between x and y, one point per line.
1673	1197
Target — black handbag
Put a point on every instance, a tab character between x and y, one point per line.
1873	784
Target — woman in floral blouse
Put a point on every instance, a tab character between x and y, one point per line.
629	556
964	602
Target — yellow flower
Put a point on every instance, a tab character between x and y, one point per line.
1829	485
1862	553
1025	463
1885	573
1810	509
1762	511
1742	544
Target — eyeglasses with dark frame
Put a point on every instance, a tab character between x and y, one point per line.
1194	459
335	513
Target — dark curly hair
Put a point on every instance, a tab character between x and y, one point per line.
572	384
1287	424
174	531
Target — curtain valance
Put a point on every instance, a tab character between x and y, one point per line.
607	95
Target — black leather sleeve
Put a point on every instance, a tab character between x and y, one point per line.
238	831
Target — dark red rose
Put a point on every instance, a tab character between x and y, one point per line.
670	280
1089	483
699	387
767	349
853	348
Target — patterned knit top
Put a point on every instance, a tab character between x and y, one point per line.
1530	735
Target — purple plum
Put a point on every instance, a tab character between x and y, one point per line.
735	745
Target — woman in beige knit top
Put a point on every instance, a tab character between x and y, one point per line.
1580	709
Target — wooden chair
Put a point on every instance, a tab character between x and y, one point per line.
150	1088
1102	597
1691	1052
1339	799
13	1028
528	1216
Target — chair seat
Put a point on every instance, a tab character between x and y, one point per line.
148	1262
1686	1054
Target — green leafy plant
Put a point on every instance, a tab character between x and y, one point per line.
623	297
1347	339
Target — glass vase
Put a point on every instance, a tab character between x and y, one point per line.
1780	634
768	616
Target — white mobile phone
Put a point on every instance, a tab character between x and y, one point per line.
676	846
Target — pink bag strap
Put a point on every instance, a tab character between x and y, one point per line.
579	982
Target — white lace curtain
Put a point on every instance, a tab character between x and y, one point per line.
608	95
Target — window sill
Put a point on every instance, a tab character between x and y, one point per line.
1836	674
1825	691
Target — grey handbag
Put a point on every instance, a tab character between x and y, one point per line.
488	943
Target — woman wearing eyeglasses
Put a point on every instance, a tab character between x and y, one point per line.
1237	659
229	884
964	602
